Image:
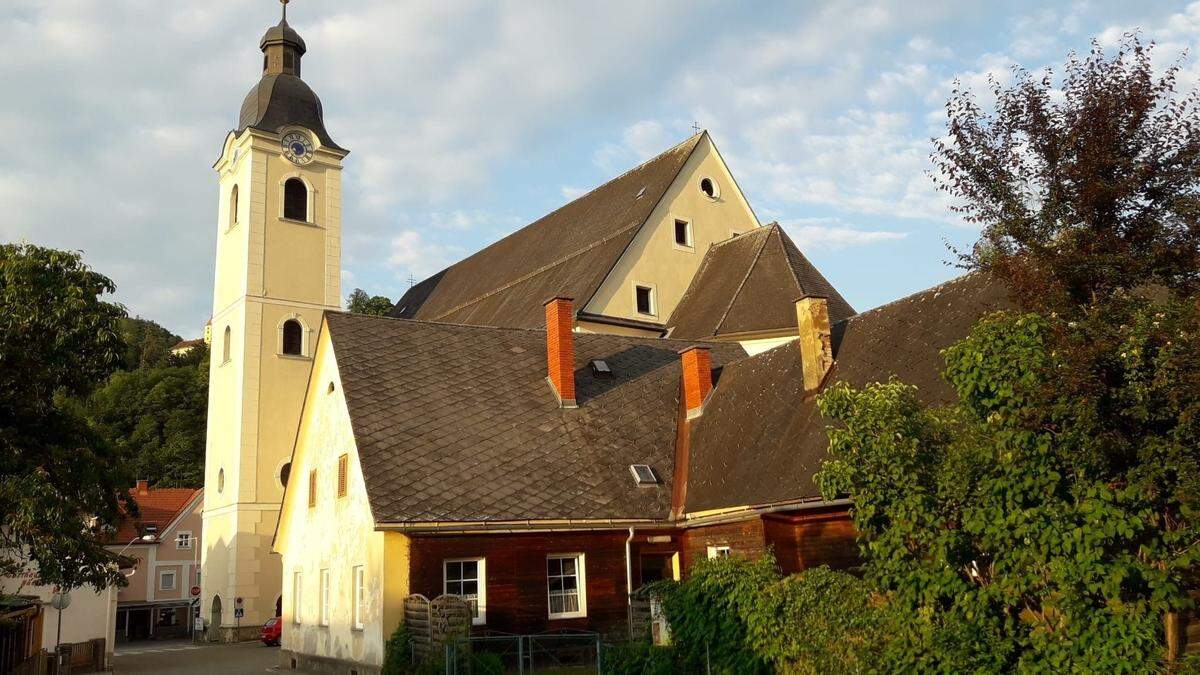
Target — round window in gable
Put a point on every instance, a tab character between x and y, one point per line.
709	187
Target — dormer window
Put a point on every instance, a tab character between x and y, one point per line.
295	200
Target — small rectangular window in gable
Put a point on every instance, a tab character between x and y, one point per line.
312	488
343	461
645	300
683	233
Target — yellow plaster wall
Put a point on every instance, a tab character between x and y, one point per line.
653	257
337	534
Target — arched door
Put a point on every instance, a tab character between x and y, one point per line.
214	624
279	606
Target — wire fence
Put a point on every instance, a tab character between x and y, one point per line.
500	654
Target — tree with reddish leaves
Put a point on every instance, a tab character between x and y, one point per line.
1083	188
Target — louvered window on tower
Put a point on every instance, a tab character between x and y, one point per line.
643	475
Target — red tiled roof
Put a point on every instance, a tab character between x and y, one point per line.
158	506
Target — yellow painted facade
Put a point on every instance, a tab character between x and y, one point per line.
268	269
335	535
655	260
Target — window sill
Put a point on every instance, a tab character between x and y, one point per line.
297	222
572	615
294	357
681	247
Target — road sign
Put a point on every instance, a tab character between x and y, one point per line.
239	613
60	601
238	601
195	591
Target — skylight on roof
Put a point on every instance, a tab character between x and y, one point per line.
640	193
643	475
601	369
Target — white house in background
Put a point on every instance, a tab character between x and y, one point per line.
89	616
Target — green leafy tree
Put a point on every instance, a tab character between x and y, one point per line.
147	344
360	303
157	418
61	486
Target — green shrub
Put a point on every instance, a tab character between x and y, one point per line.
707	613
397	653
487	663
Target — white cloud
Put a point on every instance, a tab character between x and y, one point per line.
411	253
818	234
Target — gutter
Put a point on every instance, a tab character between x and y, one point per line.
734	516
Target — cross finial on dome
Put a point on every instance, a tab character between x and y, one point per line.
284	3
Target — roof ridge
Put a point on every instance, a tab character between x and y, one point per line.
517	329
540	270
914	294
738	291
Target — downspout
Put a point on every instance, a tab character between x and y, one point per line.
629	568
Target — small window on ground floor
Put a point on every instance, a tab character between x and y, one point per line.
566	586
718	552
467	577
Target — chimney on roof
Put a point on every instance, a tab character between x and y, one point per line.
697	379
143	487
816	346
560	349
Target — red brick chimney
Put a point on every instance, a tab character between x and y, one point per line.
143	487
697	379
560	349
816	345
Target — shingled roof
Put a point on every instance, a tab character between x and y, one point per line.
457	423
155	506
568	252
750	283
761	439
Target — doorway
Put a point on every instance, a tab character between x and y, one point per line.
656	567
214	624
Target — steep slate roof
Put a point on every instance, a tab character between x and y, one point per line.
760	440
158	506
568	252
751	283
457	423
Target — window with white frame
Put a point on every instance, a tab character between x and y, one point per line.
467	578
325	597
183	540
166	580
643	299
359	598
717	552
566	586
297	587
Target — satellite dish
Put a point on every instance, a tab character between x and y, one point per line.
60	601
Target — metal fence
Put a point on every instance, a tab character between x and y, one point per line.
497	654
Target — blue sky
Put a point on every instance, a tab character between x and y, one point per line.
467	120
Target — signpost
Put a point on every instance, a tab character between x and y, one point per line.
195	591
60	601
238	613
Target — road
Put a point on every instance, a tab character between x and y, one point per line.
181	657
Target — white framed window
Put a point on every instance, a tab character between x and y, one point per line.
644	301
166	580
360	596
297	588
718	552
566	586
467	577
183	540
325	597
682	233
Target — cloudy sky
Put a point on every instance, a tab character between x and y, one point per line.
467	120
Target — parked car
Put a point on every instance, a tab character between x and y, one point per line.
271	632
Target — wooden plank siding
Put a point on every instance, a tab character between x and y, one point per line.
807	539
516	577
744	538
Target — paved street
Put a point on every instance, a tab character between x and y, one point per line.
181	657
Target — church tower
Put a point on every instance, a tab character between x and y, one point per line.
277	269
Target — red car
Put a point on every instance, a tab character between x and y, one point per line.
271	632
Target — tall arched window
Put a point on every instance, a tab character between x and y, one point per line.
225	345
293	338
295	200
233	206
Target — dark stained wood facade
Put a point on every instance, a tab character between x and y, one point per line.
516	584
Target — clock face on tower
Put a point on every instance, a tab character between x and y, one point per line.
297	147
